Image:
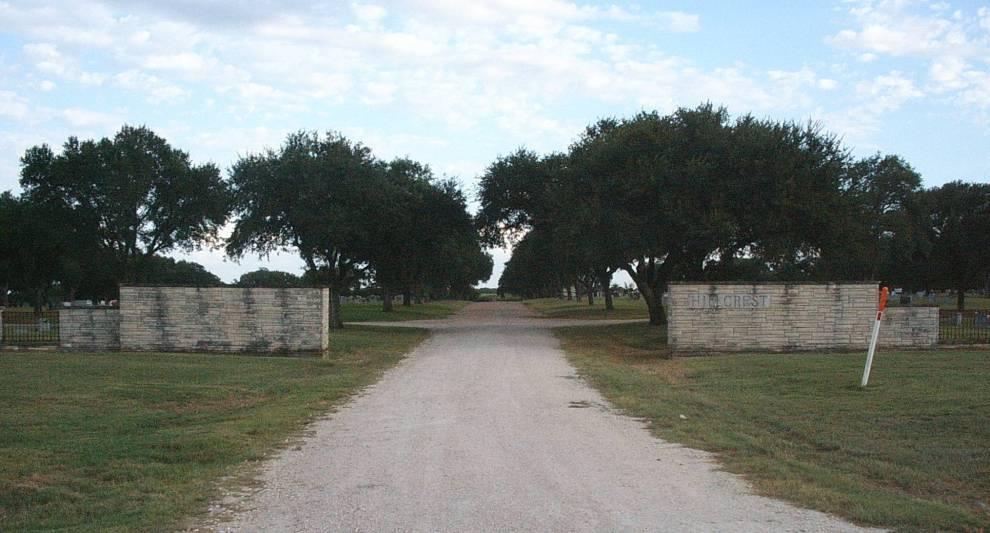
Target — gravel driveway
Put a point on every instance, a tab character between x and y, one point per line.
485	427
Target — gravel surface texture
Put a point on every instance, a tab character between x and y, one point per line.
486	427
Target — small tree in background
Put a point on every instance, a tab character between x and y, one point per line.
269	278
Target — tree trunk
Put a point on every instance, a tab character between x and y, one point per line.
386	300
650	281
336	321
588	284
406	298
606	281
961	299
570	295
37	302
654	302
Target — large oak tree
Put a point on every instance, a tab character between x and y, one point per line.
135	194
318	195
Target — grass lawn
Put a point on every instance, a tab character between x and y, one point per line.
372	312
625	308
911	452
949	302
126	442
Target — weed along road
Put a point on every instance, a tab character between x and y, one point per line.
486	427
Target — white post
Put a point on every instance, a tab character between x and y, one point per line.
873	338
873	349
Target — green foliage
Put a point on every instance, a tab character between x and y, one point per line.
134	196
681	196
537	269
29	249
351	216
516	194
426	240
696	195
269	278
318	195
960	235
167	271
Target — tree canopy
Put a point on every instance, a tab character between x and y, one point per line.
698	195
679	196
353	218
269	278
959	224
134	195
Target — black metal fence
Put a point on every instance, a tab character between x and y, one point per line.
964	327
28	327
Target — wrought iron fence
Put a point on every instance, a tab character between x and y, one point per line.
29	327
964	327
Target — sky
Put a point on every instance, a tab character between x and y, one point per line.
456	84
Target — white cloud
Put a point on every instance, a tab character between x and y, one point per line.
369	14
189	62
951	44
888	92
872	99
154	88
947	72
678	21
78	23
46	85
13	106
48	59
378	93
86	118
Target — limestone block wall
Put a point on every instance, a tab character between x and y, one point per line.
911	327
729	317
96	329
224	319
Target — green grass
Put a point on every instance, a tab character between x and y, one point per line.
372	312
912	451
949	302
625	308
121	442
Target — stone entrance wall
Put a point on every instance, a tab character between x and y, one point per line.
224	319
733	317
89	329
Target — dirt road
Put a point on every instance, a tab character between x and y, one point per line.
485	427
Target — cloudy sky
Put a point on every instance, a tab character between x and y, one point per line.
454	84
